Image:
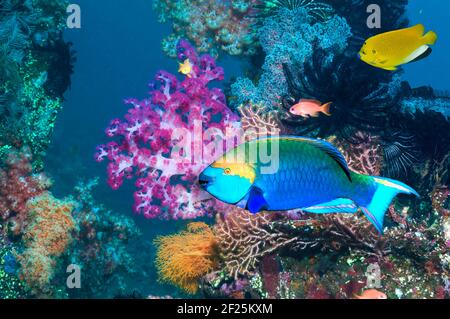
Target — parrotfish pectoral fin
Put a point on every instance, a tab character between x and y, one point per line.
340	205
385	192
256	201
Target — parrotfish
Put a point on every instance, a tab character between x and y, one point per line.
308	174
310	108
185	68
392	49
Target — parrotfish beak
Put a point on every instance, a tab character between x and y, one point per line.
204	180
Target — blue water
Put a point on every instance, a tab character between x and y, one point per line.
118	53
434	14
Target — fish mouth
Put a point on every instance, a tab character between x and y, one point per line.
204	181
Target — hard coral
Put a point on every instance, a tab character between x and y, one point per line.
161	142
182	259
213	26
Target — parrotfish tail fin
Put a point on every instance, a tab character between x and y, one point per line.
326	109
430	38
386	190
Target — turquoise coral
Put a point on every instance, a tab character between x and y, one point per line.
288	38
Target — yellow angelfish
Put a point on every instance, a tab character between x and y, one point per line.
391	49
186	68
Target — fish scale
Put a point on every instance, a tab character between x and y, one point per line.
303	171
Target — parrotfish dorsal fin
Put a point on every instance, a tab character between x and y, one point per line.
331	151
418	29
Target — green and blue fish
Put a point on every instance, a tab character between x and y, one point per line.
311	175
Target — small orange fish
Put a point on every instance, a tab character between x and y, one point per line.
310	108
371	294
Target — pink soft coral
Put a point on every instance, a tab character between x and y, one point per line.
148	140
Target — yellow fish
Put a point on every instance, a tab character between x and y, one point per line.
186	68
391	49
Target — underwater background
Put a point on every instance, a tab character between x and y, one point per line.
61	88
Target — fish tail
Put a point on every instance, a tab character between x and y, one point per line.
430	38
326	108
385	191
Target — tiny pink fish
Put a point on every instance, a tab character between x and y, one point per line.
310	108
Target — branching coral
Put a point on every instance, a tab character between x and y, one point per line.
161	141
182	259
243	239
213	26
47	235
256	122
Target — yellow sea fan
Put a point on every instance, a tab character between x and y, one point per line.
183	258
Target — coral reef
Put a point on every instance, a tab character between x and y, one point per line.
243	240
355	12
105	245
10	285
182	259
213	26
156	141
46	237
288	38
256	122
28	105
18	185
363	110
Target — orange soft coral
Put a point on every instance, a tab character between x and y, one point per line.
182	259
47	236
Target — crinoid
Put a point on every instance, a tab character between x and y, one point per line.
361	97
318	11
400	154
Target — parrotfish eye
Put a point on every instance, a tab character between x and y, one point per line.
227	171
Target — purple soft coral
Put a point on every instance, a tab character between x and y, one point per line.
150	135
